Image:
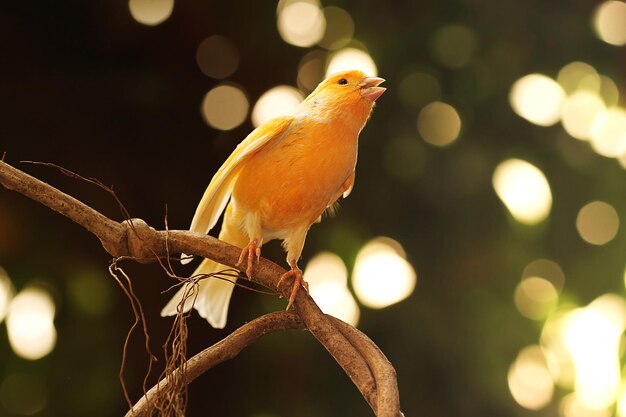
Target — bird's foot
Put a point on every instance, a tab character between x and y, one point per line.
249	253
298	280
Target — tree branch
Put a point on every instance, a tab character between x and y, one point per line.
108	231
226	349
359	357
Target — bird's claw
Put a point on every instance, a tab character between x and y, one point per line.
298	280
249	253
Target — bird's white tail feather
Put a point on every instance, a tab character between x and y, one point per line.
213	300
212	297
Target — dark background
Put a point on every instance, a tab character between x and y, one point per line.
85	86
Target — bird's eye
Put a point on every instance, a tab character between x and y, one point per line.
342	81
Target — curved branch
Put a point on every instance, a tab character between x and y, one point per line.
388	403
226	349
374	377
233	344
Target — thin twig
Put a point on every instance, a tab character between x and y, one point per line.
125	213
140	318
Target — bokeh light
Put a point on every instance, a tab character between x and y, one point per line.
592	336
530	382
339	28
608	132
589	112
439	124
454	46
225	107
326	267
535	297
351	58
579	112
621	404
327	276
311	70
609	91
30	326
558	357
597	222
546	269
217	57
381	275
151	12
577	76
6	293
524	190
572	406
538	99
609	22
277	101
301	23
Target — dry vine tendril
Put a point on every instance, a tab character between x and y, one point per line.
358	356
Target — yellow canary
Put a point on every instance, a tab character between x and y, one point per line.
279	181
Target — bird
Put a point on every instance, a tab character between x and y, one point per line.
277	183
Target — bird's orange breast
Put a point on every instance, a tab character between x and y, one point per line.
291	182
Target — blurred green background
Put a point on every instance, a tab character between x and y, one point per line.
481	175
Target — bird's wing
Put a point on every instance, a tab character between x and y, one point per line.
220	188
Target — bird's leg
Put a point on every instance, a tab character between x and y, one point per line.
294	246
296	274
249	253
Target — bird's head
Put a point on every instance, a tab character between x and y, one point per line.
348	93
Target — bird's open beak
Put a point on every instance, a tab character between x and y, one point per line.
370	89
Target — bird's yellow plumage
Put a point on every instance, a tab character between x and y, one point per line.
279	181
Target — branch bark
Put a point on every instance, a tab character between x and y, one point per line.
359	357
